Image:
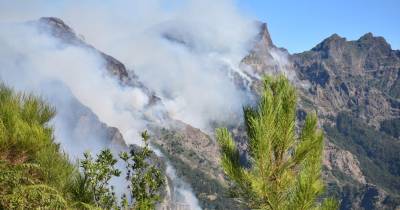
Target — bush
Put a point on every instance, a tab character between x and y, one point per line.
34	173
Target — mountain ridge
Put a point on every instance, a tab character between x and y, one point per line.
361	76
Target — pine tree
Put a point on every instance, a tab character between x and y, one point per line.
285	170
34	173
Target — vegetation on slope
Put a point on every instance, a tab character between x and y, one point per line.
391	127
36	174
377	152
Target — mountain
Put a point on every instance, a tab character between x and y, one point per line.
58	29
361	76
193	153
353	86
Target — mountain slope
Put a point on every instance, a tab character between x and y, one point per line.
354	85
335	78
192	153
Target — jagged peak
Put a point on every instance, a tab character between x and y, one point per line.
333	40
263	35
56	23
334	36
369	39
58	28
54	20
368	35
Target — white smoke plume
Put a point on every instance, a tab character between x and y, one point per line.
179	49
183	196
30	61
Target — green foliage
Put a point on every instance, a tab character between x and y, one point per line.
96	177
145	180
285	170
32	166
329	203
93	190
23	120
34	197
80	192
35	174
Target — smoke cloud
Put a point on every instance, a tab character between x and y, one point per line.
180	50
30	61
185	51
183	196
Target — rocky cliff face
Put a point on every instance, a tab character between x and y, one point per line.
361	76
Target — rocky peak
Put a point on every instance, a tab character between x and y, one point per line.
60	30
263	37
57	28
367	36
370	38
56	23
330	44
265	57
378	44
333	37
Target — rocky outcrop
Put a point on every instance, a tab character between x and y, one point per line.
342	160
265	57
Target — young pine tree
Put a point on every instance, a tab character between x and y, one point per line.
285	170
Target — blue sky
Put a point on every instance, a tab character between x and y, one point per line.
299	25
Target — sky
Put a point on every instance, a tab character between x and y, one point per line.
300	25
297	25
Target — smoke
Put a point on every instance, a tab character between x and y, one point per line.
185	51
183	197
68	76
178	50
